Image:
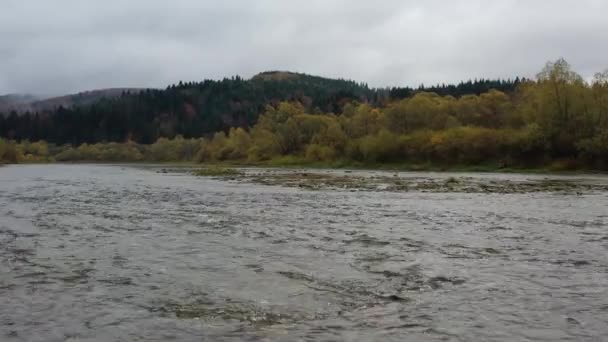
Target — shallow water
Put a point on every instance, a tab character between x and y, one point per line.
117	253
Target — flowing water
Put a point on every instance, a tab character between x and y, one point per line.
119	253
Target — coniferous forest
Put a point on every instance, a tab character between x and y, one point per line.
558	119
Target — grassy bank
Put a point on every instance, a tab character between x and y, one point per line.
197	152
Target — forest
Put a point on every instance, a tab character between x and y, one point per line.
199	109
559	120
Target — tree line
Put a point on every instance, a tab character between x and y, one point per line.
559	119
197	109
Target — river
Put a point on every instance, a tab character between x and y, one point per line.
125	253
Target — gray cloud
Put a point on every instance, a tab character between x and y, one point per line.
64	46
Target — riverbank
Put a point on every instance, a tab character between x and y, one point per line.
300	163
406	181
289	162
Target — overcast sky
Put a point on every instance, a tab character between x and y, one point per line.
61	46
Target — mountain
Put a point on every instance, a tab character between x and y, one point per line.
22	103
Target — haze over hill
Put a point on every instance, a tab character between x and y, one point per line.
22	103
10	102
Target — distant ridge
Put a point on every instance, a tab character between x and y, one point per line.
22	103
10	102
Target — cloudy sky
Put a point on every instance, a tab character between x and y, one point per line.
61	46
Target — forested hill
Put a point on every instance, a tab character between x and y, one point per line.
196	109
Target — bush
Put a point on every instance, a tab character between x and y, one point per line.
9	152
381	147
317	152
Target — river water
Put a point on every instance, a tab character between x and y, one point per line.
119	253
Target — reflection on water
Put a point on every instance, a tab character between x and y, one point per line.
113	253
